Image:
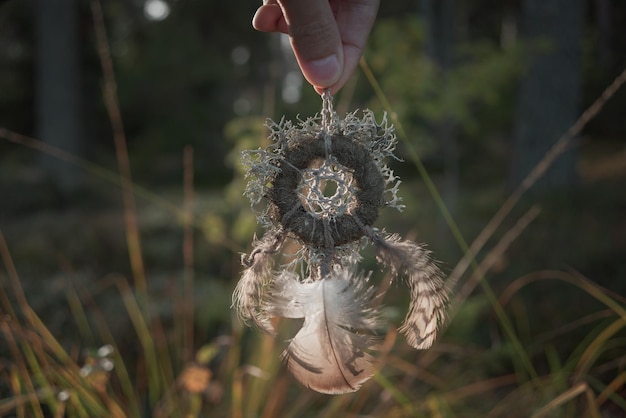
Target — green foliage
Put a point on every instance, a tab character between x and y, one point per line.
474	93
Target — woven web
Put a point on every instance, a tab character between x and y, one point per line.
327	189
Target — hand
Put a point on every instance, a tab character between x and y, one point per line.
327	36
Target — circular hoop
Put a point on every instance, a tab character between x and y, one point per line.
285	207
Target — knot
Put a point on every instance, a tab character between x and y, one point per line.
328	113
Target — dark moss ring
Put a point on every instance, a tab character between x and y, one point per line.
286	209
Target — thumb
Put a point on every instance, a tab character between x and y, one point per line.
315	40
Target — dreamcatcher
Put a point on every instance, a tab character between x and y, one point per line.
321	183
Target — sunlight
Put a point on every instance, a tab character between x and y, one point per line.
240	55
292	87
156	9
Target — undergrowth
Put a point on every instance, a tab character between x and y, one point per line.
490	362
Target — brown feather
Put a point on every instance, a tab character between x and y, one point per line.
429	294
250	291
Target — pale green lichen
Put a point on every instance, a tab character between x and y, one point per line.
263	165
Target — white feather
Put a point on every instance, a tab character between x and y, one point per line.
331	352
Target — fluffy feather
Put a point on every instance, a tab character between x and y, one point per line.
249	293
331	352
429	294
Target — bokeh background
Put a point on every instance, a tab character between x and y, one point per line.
143	266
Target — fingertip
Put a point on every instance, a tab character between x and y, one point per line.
333	89
257	19
269	18
351	57
321	90
322	72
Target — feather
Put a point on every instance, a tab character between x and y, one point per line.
429	294
249	292
331	352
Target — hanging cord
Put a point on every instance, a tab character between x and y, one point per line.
329	118
328	113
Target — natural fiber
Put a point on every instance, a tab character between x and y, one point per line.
290	181
287	209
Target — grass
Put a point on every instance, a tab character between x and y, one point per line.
492	360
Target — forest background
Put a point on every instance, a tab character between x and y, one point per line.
116	287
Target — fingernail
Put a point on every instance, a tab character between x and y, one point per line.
323	72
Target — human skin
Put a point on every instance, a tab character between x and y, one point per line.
327	36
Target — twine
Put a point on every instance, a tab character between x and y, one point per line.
326	232
329	117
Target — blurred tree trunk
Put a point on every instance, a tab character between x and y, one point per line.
605	31
549	94
440	18
58	86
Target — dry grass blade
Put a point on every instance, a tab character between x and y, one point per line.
104	332
14	279
539	170
577	390
22	373
395	392
496	254
33	321
46	149
96	170
611	388
121	151
597	347
17	404
480	387
147	341
278	396
188	307
46	371
601	294
415	371
552	334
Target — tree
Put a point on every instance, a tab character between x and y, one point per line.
550	91
58	86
